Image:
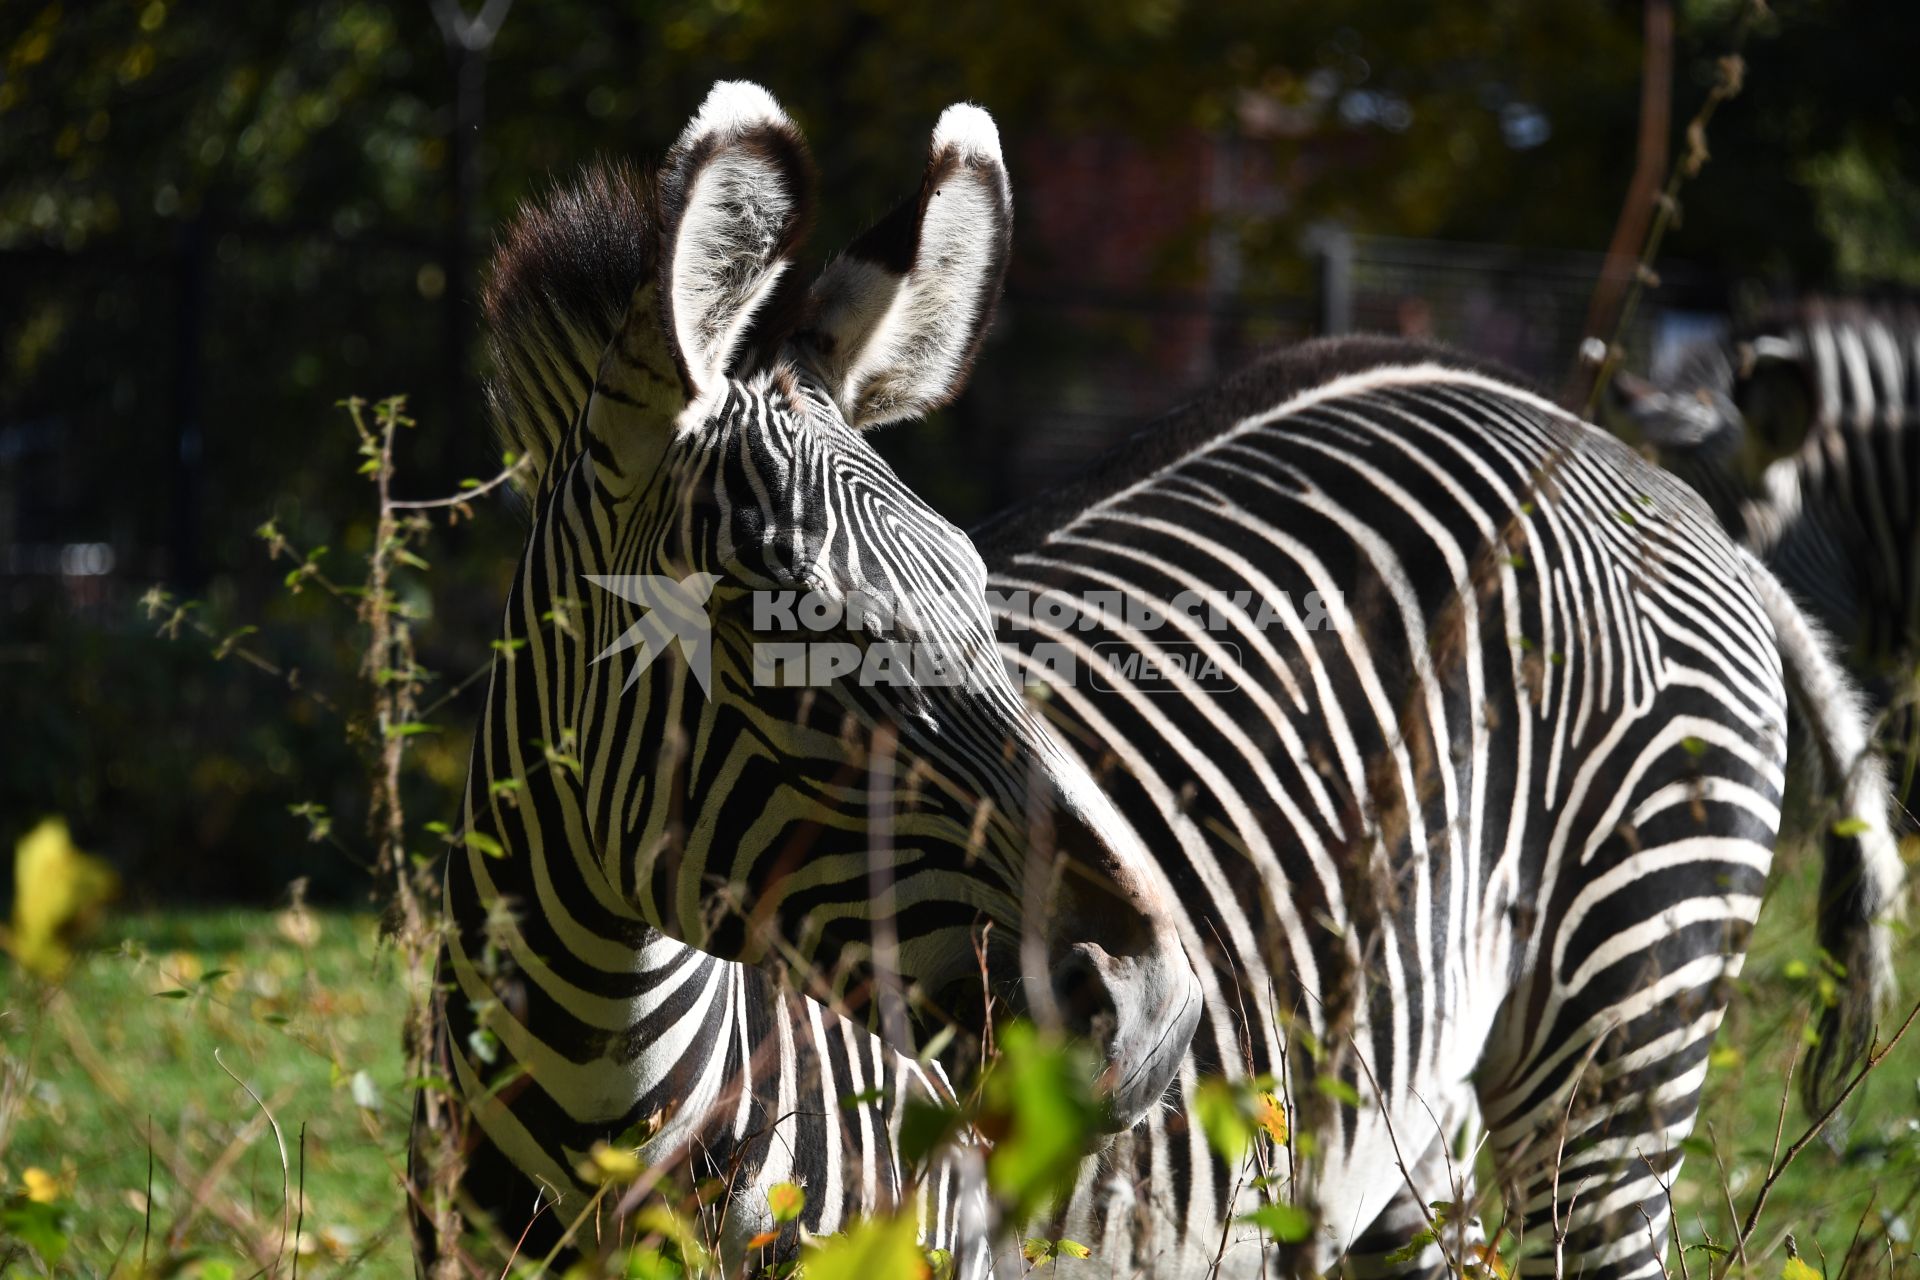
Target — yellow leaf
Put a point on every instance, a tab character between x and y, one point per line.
612	1164
42	1187
1488	1261
1798	1269
59	893
1271	1116
785	1201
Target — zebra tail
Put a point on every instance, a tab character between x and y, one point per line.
1863	881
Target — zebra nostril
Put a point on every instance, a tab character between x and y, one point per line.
1083	996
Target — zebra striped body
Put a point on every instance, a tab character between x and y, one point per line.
1503	825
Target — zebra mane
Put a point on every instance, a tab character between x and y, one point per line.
555	294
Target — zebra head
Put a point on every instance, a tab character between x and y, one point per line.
904	825
1727	414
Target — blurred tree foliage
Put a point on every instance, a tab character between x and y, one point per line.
264	194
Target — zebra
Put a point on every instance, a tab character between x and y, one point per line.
1488	841
639	329
1502	829
1802	431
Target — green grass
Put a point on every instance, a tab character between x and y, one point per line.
131	1036
303	1005
1822	1198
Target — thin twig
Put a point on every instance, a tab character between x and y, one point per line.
146	1230
1400	1158
300	1219
1874	1059
464	496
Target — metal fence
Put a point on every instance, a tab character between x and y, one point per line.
1071	375
192	378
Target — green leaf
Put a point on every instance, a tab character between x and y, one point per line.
1337	1089
1072	1249
1227	1128
1285	1223
1037	1105
925	1127
41	1227
873	1248
485	843
1412	1249
1846	828
174	994
411	727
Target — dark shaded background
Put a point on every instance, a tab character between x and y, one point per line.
216	220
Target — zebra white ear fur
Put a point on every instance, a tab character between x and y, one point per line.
893	324
736	194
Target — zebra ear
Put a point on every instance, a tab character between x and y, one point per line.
1776	394
893	324
735	197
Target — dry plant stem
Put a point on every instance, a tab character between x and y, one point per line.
146	1209
1726	1193
279	1141
1775	1169
1726	85
1560	1229
1649	167
392	675
886	930
300	1218
1399	1158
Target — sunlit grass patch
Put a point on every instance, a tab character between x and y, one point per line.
300	1006
1863	1176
